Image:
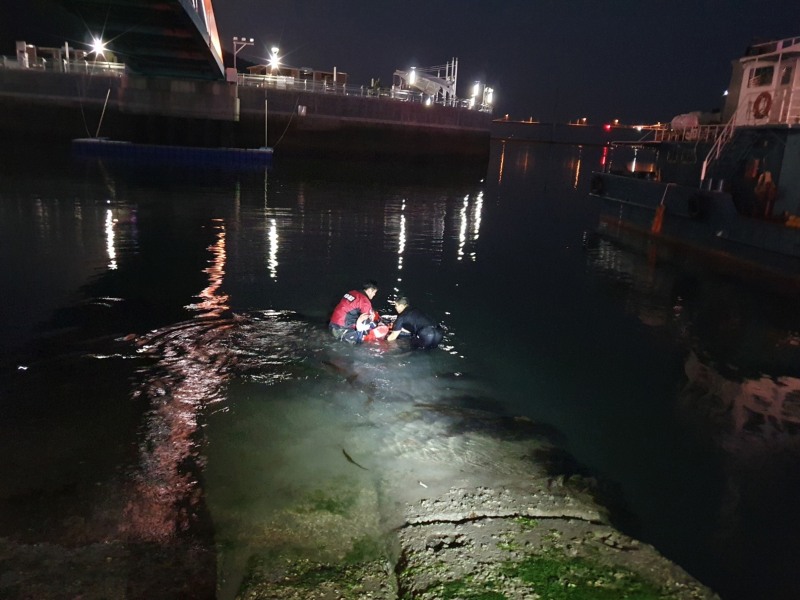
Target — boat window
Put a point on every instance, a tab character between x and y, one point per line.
760	76
786	75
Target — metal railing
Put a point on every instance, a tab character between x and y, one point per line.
64	66
283	82
723	137
700	133
262	81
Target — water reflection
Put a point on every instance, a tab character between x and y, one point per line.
212	303
576	168
737	408
112	252
502	164
466	235
401	243
745	414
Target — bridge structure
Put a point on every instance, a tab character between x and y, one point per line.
169	38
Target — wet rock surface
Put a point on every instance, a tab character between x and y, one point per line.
509	529
506	527
491	550
424	493
488	543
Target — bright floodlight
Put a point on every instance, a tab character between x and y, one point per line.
274	61
476	90
98	46
489	95
412	76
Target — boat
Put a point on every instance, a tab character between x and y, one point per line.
728	188
157	154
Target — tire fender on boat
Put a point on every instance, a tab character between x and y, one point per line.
762	105
597	185
697	206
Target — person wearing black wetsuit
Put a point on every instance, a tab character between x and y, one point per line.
424	331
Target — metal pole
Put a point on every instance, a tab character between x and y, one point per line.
266	145
102	114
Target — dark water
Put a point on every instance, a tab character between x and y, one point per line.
168	385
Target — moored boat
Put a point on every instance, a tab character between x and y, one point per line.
173	155
730	189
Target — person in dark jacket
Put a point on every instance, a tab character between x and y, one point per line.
424	331
346	324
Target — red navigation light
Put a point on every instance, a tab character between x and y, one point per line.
607	127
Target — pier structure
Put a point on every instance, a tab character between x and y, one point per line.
162	81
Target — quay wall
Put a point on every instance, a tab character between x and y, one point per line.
62	106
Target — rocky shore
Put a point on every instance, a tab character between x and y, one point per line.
500	527
493	536
341	487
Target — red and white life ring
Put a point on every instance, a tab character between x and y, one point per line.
762	105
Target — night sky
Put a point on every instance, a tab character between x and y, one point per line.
638	61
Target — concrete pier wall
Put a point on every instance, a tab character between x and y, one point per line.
63	106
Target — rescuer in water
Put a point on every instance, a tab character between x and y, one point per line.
425	333
353	316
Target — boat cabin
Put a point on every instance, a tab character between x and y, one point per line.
765	85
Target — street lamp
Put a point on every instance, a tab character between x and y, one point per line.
98	47
274	61
476	90
238	45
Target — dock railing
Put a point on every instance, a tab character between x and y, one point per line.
283	82
66	66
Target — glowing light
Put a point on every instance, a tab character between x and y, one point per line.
476	89
274	60
412	76
98	46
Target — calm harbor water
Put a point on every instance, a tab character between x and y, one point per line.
167	383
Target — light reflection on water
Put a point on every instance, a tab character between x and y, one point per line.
738	402
664	379
271	410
